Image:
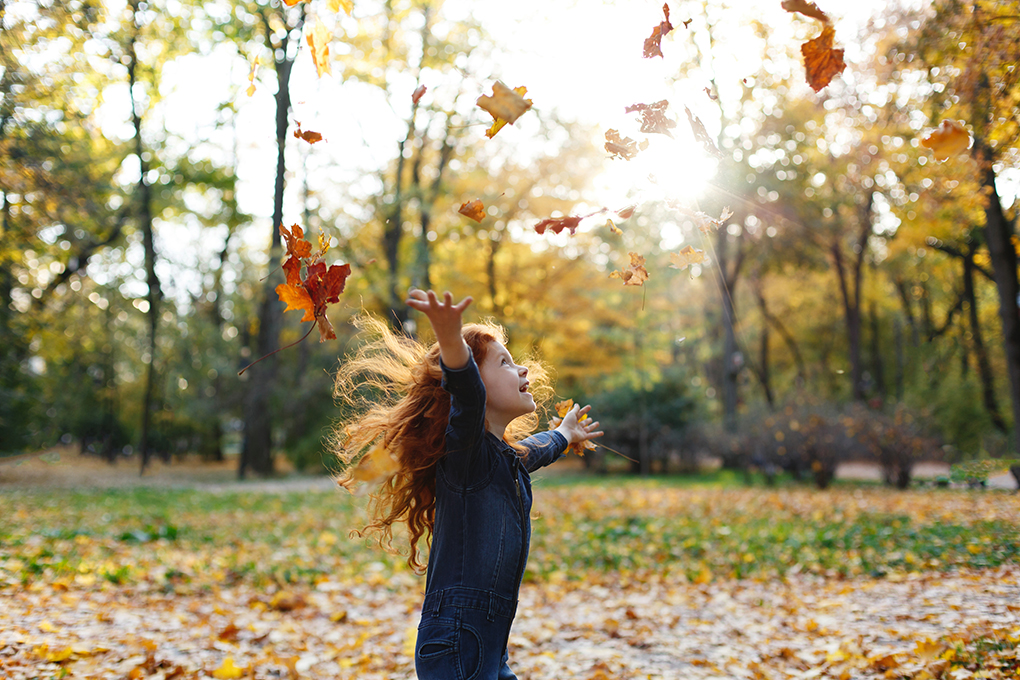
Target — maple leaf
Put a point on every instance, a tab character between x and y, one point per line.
318	39
473	210
307	135
558	224
297	246
821	61
252	73
635	274
701	134
417	94
653	43
505	106
621	147
346	5
296	297
687	256
808	9
562	409
951	138
653	117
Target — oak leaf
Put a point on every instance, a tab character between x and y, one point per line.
687	256
621	147
558	224
653	117
653	43
562	409
807	8
346	5
473	210
951	138
307	135
318	39
635	274
504	105
822	61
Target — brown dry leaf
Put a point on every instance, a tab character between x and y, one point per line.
626	213
558	224
252	73
822	61
701	134
653	117
346	5
473	210
505	106
951	138
808	9
635	274
318	39
307	135
653	43
417	94
621	147
687	256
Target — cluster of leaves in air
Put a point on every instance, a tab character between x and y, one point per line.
562	409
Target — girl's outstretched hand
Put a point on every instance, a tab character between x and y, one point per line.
576	430
445	318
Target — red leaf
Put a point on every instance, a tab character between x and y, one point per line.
558	224
307	135
297	246
417	95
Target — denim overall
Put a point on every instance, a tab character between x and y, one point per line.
479	542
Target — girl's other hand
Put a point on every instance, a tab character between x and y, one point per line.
445	318
576	430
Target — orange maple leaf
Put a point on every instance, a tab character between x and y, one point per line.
653	117
821	60
318	39
473	210
653	43
307	135
296	297
558	224
635	274
297	246
504	105
562	409
951	138
622	147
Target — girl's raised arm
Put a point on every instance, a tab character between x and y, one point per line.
445	318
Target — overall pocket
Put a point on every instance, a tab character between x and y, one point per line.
446	649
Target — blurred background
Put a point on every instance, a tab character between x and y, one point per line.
860	305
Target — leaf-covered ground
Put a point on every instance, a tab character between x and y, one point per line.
626	580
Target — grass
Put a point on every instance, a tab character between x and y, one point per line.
704	529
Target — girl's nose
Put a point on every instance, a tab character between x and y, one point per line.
523	371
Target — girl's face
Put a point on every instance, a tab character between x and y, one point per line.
506	388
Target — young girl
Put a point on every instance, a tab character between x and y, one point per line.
452	416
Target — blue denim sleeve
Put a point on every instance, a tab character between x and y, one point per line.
544	449
466	427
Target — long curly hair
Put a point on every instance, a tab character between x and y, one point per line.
394	414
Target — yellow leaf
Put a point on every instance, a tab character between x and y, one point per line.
337	5
63	655
504	105
47	627
228	671
687	256
950	139
252	73
318	39
704	577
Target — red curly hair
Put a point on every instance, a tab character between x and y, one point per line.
393	404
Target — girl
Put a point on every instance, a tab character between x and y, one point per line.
452	419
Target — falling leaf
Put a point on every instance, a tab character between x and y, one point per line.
307	135
621	147
296	297
562	409
626	213
346	5
701	134
653	117
228	671
417	94
653	43
635	274
505	106
613	228
473	210
321	285
687	256
297	246
705	222
252	73
821	61
558	224
318	39
951	138
808	9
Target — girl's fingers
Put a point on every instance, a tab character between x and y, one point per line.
463	304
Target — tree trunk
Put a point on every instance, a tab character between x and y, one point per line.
731	359
877	363
980	351
145	224
998	237
764	371
257	450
